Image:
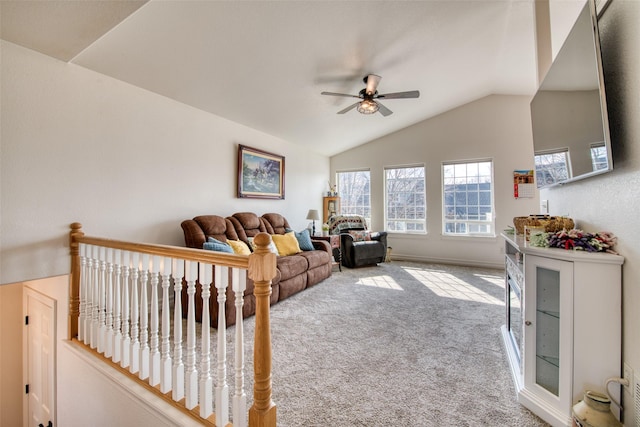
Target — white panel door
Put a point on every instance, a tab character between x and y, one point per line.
39	339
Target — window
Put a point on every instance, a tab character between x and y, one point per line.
405	200
552	167
468	198
599	158
355	193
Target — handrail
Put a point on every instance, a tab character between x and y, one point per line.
261	268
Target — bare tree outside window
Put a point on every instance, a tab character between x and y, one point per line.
354	189
468	198
405	200
552	168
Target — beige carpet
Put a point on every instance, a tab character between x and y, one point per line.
400	344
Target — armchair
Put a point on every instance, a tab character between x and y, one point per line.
359	246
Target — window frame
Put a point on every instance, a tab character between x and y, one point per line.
423	221
491	223
345	207
539	172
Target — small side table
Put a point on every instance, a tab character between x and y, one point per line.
334	241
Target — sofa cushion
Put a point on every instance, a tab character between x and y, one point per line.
287	244
317	258
239	247
216	245
291	266
275	223
246	224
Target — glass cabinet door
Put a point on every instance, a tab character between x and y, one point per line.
548	307
548	329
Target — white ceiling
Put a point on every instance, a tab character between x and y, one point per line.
264	63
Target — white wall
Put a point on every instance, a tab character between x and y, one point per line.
126	163
610	201
495	127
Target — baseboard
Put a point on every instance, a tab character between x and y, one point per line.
448	261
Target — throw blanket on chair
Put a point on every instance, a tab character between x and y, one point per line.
340	223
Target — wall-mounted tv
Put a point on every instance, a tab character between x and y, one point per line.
571	137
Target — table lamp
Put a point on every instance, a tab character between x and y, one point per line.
313	216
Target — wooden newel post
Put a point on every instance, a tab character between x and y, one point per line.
74	279
262	268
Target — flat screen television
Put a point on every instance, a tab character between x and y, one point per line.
570	126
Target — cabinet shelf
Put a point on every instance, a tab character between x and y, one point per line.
554	314
555	361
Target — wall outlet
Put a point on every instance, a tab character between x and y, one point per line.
627	374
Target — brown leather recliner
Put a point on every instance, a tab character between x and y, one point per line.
293	273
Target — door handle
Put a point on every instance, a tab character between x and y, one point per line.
527	322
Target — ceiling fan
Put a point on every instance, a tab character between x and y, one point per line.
369	96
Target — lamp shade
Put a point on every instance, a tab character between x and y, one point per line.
313	214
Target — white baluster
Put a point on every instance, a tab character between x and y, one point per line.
165	348
206	382
144	318
95	308
125	359
135	329
191	374
222	389
102	286
154	353
178	366
83	291
239	284
117	307
108	336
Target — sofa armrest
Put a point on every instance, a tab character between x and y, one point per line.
321	245
380	236
193	235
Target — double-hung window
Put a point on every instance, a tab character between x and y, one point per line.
468	198
599	158
552	167
354	188
405	200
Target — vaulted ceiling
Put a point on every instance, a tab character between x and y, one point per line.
264	63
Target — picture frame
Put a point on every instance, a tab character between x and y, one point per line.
260	174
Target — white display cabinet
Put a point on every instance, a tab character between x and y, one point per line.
568	339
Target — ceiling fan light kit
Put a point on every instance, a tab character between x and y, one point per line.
368	105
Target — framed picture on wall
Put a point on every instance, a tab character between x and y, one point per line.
260	174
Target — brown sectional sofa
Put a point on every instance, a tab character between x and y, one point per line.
294	272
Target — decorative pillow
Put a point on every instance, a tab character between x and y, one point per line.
239	247
216	245
304	239
271	247
360	235
287	244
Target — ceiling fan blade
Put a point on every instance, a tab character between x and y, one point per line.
397	95
349	108
384	110
372	82
339	94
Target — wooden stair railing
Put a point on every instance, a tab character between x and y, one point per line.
111	318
